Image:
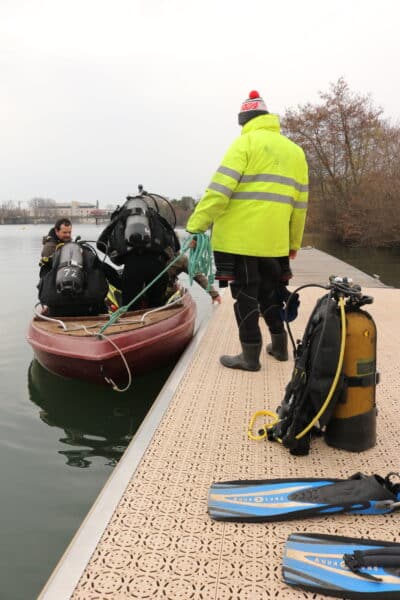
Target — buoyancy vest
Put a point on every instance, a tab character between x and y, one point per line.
349	418
75	279
137	228
316	362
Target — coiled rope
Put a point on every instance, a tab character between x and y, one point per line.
200	257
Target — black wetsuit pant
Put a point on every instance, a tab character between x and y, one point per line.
256	290
139	271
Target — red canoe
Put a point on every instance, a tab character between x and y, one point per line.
147	344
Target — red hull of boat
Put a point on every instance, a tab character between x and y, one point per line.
94	359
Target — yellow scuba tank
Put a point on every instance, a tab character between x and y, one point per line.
353	423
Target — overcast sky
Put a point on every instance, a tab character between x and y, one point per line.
98	96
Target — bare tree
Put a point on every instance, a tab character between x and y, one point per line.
353	158
40	206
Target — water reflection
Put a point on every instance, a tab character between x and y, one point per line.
383	263
96	421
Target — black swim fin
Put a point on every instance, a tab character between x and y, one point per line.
284	499
342	567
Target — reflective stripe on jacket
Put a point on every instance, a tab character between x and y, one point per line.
257	199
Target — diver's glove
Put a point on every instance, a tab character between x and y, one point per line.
291	303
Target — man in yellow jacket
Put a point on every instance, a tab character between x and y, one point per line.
257	203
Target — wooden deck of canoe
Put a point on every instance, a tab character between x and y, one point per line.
86	326
148	534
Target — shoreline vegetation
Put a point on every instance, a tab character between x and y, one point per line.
353	154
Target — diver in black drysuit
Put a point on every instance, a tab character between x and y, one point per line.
255	290
141	264
259	287
139	271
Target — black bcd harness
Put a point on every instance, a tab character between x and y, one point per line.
316	365
137	228
75	279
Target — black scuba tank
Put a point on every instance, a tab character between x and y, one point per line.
70	276
137	227
76	284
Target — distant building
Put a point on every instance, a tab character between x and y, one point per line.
82	209
62	209
99	212
75	209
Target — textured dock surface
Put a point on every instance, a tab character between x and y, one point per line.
160	543
315	266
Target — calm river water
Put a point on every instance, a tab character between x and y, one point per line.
60	439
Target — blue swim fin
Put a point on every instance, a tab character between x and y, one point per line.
342	567
284	499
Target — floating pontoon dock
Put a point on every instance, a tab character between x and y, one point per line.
148	534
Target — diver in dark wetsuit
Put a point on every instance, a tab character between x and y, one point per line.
139	237
73	281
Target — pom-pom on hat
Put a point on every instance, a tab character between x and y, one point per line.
252	107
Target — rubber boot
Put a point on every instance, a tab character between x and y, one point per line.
279	347
248	360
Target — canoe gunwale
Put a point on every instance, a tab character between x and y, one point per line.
89	357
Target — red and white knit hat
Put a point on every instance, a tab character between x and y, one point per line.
252	107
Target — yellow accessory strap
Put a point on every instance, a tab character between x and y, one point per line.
265	427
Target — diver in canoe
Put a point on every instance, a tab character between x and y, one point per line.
73	280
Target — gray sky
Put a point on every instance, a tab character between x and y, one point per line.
98	96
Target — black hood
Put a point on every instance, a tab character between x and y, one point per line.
51	236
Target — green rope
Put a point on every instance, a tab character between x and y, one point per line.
200	258
200	261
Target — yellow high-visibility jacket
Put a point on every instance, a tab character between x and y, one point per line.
257	199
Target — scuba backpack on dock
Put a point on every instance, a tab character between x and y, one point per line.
332	388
